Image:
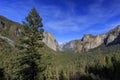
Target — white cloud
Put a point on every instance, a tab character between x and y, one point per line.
63	26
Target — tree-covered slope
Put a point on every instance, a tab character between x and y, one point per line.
9	28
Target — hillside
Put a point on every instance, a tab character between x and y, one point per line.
9	28
65	65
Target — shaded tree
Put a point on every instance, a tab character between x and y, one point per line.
30	42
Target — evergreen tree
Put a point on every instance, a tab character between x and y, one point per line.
31	41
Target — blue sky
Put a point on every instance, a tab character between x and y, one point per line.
67	19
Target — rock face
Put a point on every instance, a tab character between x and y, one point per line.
113	36
7	40
73	46
50	41
90	41
2	24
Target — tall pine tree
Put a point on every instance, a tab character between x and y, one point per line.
30	42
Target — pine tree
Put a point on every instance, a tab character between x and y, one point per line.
30	42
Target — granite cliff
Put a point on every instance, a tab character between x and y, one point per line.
90	41
50	41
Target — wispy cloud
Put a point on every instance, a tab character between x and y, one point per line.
105	29
58	20
63	26
65	22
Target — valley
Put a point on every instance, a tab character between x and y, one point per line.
89	58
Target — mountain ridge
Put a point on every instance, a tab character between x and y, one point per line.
11	30
90	41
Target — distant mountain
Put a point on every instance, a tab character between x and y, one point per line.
10	32
90	41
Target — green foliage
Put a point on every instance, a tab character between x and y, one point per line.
94	65
30	41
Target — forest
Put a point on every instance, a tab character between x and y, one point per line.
31	59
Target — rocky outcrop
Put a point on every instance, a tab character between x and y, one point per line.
90	41
113	36
9	41
2	25
93	41
50	41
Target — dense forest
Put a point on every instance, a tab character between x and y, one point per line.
31	59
